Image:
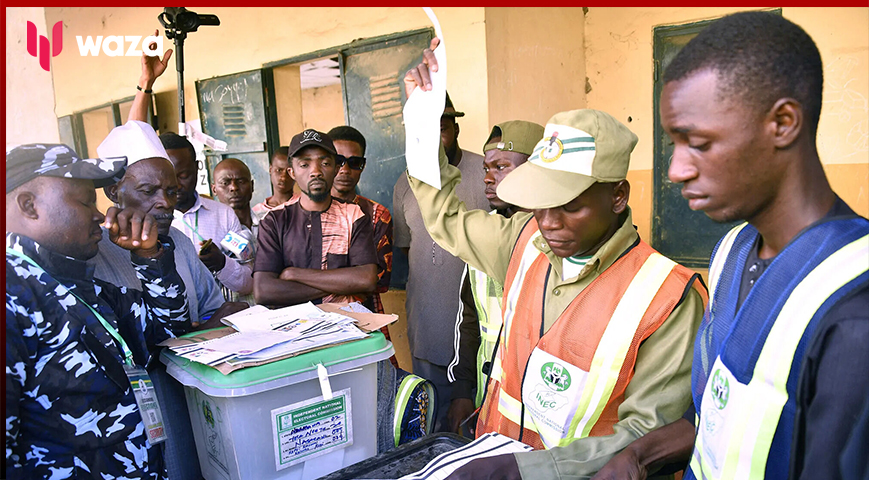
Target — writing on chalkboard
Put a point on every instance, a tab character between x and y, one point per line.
235	92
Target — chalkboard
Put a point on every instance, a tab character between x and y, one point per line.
373	101
234	108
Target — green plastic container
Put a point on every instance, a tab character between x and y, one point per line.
272	422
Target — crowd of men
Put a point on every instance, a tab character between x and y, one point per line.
534	308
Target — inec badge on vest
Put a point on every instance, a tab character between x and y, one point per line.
551	394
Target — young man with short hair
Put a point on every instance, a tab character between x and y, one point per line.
776	383
314	249
350	145
282	184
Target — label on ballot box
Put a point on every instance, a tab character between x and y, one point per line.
311	428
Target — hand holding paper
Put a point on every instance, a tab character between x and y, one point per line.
426	87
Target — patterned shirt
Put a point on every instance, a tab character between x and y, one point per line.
70	411
211	219
341	236
112	264
381	220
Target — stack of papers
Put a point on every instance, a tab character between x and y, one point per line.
262	335
488	445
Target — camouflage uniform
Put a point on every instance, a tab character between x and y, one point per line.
70	412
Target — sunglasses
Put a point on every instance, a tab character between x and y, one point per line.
356	163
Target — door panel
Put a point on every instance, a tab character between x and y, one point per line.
373	98
234	108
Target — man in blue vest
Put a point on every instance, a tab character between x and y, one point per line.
780	360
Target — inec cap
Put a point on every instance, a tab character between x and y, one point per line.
135	140
579	148
26	162
516	136
450	110
309	138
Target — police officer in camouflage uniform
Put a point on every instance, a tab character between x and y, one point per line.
75	345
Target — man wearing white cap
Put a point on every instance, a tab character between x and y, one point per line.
149	185
599	328
201	219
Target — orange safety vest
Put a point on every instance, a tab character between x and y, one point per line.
550	391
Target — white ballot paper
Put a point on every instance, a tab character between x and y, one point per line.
422	118
488	445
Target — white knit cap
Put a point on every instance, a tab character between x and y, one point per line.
135	140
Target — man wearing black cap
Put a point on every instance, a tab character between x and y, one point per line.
314	249
432	306
74	345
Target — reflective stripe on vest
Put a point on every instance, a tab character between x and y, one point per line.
613	347
405	389
529	255
487	298
737	422
720	257
565	412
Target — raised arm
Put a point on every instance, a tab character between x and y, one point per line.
152	67
482	240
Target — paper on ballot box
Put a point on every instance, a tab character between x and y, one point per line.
367	322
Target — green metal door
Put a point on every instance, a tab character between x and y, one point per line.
235	108
372	79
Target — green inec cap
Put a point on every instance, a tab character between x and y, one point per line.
516	136
579	148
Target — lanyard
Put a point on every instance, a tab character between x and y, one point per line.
128	356
194	230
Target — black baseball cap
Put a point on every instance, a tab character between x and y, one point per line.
26	162
311	137
450	110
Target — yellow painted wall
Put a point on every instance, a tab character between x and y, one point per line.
250	37
618	53
536	62
288	98
30	114
322	108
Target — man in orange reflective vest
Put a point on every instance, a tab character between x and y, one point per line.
596	347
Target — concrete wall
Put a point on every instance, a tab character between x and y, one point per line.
618	52
535	62
288	98
30	114
322	108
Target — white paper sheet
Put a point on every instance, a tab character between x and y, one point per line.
260	318
422	117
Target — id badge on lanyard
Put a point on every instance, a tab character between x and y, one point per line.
143	389
146	399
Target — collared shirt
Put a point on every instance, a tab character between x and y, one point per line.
381	220
341	236
208	219
112	264
70	411
250	255
432	305
660	390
